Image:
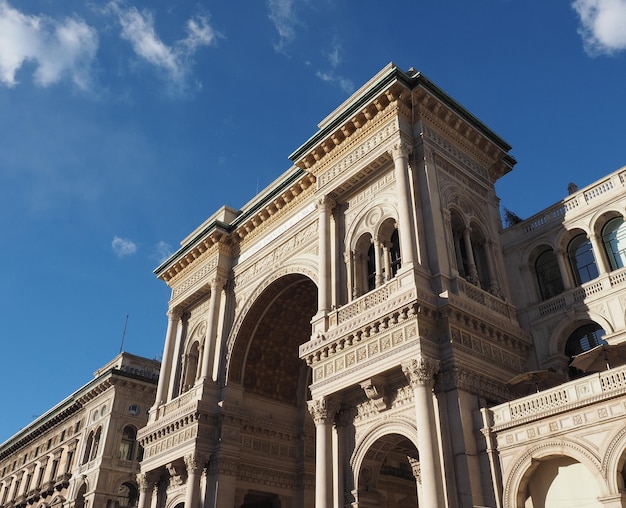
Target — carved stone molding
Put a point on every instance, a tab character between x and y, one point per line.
421	371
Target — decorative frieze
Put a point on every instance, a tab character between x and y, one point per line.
487	349
279	253
357	154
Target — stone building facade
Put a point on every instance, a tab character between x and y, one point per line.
348	337
83	453
353	336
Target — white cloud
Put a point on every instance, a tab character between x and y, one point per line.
123	247
344	83
59	48
282	14
138	29
162	251
603	25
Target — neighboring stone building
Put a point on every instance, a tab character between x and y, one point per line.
83	452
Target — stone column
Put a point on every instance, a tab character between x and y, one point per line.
193	481
324	207
493	280
420	372
208	354
471	262
598	254
560	259
387	261
342	419
400	154
378	262
323	412
168	353
348	258
145	490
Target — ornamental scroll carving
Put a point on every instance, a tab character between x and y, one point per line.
421	371
323	410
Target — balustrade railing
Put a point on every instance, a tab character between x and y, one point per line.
591	388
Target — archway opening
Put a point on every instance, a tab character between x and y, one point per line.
390	473
265	362
561	482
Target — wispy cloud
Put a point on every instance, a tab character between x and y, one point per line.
138	29
162	251
283	15
59	48
603	25
123	247
334	60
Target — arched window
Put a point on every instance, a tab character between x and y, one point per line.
460	251
614	239
582	260
548	275
192	364
96	443
128	443
88	446
480	253
583	339
394	253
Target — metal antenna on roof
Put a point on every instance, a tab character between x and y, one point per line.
124	333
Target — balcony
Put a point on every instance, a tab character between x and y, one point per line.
582	295
587	390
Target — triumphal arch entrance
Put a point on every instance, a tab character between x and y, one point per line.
330	343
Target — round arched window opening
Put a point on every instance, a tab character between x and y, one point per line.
583	339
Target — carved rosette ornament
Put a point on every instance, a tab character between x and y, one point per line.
323	410
421	371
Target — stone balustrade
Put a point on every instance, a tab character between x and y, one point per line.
584	391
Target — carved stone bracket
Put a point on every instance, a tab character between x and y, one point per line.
375	390
415	468
421	371
176	473
323	410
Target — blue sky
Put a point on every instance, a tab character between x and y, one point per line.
123	125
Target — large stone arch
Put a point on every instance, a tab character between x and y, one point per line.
524	466
614	462
303	267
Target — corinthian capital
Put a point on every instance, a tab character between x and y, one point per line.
323	410
400	149
421	371
325	203
175	313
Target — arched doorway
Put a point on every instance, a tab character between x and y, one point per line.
265	363
389	474
561	482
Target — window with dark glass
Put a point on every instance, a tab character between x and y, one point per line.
128	443
548	275
614	239
583	339
582	260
